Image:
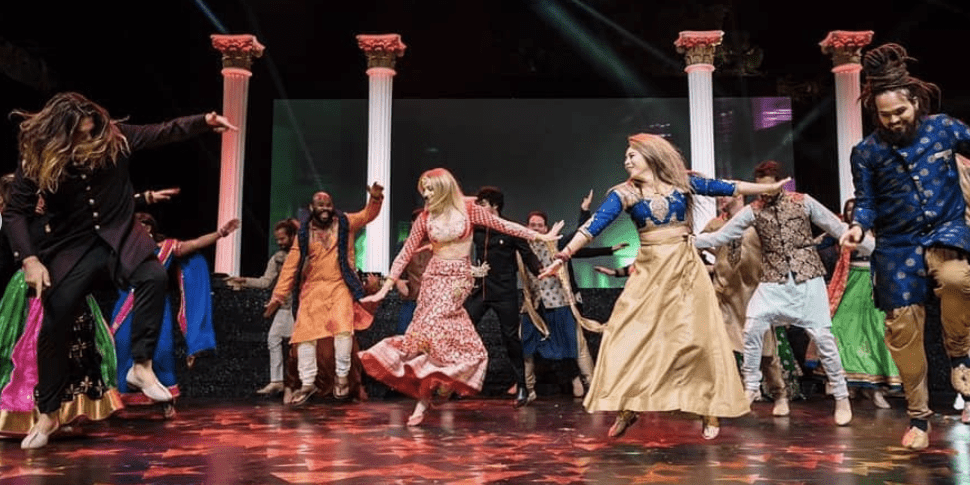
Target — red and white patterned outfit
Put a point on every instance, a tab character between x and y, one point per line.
441	348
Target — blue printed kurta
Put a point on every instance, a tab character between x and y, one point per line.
910	197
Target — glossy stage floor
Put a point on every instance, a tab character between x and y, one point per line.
483	441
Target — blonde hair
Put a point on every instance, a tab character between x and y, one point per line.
666	163
447	193
47	139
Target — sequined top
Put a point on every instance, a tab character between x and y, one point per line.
450	234
652	211
911	199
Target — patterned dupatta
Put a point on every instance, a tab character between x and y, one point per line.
587	323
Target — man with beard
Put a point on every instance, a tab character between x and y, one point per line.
285	233
321	268
907	191
792	288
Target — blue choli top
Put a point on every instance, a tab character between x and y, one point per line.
652	211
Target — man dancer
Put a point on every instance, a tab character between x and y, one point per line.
321	268
497	289
75	156
792	288
282	327
907	191
736	273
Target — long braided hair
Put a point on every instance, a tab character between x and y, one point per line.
885	70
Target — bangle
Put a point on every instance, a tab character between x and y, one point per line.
149	197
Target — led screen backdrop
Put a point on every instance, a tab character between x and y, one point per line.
544	154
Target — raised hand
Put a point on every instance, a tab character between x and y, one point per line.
587	200
553	234
376	190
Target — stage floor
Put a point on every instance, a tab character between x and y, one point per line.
479	441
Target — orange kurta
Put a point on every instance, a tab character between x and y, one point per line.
326	304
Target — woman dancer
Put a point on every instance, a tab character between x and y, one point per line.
441	351
665	347
859	327
194	316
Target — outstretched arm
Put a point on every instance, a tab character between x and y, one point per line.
191	246
732	230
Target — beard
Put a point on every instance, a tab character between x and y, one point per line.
902	138
323	218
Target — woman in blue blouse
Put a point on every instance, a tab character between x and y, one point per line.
665	347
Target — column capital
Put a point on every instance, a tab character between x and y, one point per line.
238	51
382	50
698	46
845	46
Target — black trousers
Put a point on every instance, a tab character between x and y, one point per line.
508	319
66	297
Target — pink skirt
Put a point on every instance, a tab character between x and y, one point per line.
441	351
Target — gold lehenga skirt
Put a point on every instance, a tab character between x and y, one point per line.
665	347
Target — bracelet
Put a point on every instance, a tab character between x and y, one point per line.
149	197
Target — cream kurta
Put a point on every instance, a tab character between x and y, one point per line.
326	304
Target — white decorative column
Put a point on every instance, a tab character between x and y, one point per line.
698	49
845	47
382	51
238	52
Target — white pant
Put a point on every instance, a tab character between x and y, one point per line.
281	328
306	357
803	304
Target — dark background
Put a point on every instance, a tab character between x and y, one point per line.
153	60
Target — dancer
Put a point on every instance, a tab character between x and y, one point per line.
497	290
282	327
551	312
441	352
858	326
77	157
320	267
735	274
792	288
665	347
409	286
194	317
906	189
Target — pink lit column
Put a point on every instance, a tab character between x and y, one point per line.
238	52
845	48
382	51
698	49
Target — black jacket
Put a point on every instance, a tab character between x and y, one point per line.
498	249
92	204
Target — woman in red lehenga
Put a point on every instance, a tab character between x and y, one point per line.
441	351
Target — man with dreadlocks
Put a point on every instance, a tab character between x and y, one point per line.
320	266
75	156
907	191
